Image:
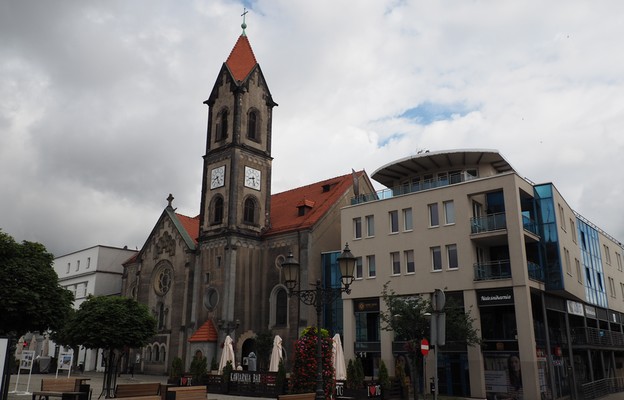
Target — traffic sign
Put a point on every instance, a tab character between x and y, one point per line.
424	347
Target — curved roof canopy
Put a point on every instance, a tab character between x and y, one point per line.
429	162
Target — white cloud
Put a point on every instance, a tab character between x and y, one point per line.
101	103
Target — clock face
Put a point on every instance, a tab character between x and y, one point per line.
217	177
252	178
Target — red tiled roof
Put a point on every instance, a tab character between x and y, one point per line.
191	224
206	333
242	59
285	206
317	198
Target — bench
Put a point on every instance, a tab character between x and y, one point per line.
187	393
65	388
297	396
138	391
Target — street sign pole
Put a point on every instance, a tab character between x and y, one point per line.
424	349
438	332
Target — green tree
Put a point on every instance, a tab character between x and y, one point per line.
32	299
408	317
110	323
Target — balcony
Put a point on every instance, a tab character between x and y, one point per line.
500	269
413	187
597	337
536	272
488	223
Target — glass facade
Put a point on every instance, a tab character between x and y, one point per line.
589	242
547	221
332	313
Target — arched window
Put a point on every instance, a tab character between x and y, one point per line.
161	316
217	210
249	211
156	353
163	353
252	125
222	125
148	353
281	308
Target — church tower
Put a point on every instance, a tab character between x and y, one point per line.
236	186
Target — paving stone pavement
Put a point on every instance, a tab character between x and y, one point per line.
26	386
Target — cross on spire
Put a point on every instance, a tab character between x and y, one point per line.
244	25
170	199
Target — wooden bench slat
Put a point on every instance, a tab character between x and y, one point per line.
297	396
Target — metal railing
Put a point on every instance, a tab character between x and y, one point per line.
536	272
488	223
413	187
602	388
500	269
597	337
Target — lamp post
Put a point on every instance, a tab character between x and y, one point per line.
319	297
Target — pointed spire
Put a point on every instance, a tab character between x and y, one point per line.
242	59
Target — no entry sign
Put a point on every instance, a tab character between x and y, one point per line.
424	347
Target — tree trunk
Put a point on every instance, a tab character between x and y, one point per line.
110	375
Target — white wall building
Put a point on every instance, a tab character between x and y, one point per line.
93	271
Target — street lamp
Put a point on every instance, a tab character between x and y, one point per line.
319	297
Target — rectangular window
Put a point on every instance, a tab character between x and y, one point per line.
436	258
68	267
611	287
622	289
357	228
434	218
579	275
370	226
394	221
372	271
409	261
573	230
561	217
88	262
568	267
218	261
395	259
618	258
359	273
449	212
451	253
77	265
407	219
607	254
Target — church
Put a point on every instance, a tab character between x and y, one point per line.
219	273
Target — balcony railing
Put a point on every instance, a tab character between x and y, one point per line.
602	388
536	272
530	225
413	187
597	337
488	223
500	269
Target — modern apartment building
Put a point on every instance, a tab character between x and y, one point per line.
544	284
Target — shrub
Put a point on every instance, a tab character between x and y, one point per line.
384	378
177	369
303	378
199	369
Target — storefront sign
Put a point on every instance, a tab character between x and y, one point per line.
590	311
495	297
575	308
366	305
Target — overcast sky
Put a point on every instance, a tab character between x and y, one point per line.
101	113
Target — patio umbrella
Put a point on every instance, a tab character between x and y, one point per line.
227	354
340	369
276	354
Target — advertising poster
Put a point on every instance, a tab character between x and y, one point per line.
503	376
4	371
26	362
65	363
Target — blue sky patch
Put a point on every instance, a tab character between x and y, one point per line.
427	113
